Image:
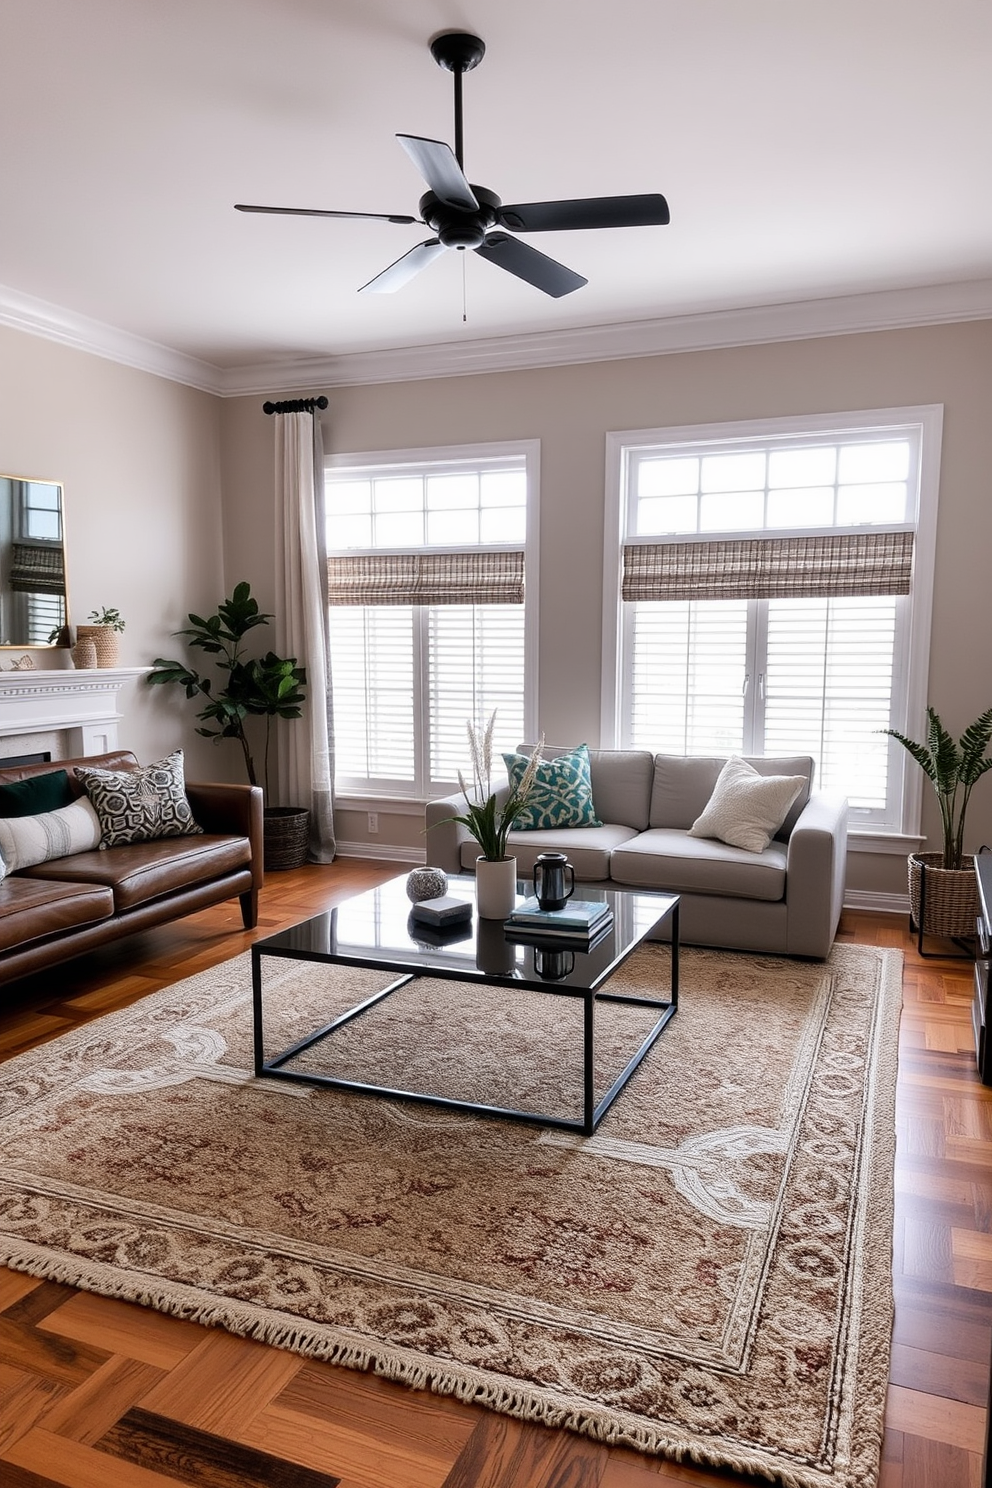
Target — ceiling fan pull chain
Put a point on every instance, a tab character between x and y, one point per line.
464	292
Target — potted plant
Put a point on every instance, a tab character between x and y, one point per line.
267	686
103	630
943	891
488	816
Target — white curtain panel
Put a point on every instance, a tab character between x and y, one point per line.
305	760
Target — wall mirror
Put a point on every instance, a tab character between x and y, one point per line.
32	561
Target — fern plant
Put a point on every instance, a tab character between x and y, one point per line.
953	770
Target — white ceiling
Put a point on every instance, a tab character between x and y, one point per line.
807	150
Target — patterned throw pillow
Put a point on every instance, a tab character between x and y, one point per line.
561	795
140	805
26	840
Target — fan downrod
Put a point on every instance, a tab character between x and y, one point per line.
457	51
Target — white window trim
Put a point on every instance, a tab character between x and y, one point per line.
929	417
454	454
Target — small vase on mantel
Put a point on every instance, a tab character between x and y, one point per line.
495	887
83	654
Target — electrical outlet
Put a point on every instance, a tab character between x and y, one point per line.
373	821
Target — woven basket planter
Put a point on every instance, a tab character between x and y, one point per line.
286	837
948	896
106	640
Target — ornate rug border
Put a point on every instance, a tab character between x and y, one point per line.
865	1386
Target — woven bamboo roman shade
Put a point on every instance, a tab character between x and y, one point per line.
835	565
474	577
37	568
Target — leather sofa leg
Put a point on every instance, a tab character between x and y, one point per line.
249	908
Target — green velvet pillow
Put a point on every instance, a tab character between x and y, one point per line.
561	795
36	795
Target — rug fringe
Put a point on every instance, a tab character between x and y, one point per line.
462	1384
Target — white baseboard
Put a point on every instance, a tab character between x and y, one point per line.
381	852
877	903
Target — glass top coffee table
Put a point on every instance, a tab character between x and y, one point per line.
375	930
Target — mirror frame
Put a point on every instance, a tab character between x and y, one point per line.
13	532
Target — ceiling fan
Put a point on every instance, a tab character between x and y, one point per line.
463	216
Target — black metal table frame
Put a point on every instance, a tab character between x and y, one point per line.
593	1110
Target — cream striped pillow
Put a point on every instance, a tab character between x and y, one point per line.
27	840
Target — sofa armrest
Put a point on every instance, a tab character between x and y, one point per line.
815	874
445	836
234	810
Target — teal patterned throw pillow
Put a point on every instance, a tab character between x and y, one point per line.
561	795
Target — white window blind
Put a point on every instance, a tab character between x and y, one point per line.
431	606
475	666
765	578
372	656
688	666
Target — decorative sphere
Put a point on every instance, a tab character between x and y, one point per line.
426	883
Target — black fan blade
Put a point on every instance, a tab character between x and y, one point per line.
437	164
316	212
590	211
524	261
404	269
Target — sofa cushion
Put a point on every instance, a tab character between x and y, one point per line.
746	808
669	859
27	840
140	805
560	794
588	849
683	785
33	909
37	794
149	870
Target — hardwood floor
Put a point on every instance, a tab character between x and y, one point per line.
102	1394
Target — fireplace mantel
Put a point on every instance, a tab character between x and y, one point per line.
80	707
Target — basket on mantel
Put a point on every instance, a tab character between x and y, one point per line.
286	837
105	639
947	898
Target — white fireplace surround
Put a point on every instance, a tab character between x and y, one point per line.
66	713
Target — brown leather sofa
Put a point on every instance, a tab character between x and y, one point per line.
61	908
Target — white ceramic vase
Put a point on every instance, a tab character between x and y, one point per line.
495	887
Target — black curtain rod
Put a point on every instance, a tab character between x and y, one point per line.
295	405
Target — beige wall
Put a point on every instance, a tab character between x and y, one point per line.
139	459
169	498
570	409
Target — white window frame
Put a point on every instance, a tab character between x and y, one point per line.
928	419
436	457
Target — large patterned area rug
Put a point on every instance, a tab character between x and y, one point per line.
708	1277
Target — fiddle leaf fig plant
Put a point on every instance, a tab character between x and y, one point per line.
953	770
268	686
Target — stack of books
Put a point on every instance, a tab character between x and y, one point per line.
580	924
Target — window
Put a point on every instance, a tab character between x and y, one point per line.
432	603
768	592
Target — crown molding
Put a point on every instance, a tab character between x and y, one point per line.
883	310
706	331
24	312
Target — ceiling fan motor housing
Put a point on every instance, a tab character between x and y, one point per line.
459	227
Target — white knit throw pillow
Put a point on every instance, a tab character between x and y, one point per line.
747	808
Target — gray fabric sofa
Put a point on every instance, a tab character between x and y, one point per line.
785	900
